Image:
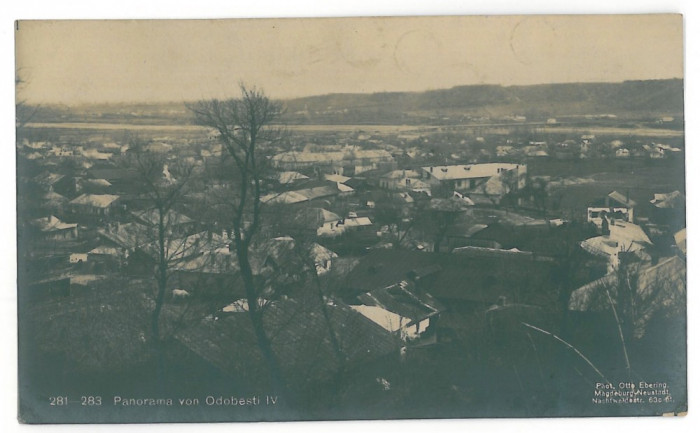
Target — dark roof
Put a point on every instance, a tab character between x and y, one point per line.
319	191
672	200
95	200
539	239
100	330
47	178
300	339
51	224
613	197
313	183
171	218
311	218
476	278
622	199
660	288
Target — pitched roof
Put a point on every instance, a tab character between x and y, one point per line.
404	299
671	200
48	178
658	287
314	217
54	199
477	277
388	320
287	197
356	222
401	174
104	250
96	154
622	199
336	178
319	192
171	217
624	236
494	186
627	233
51	224
312	190
669	271
681	240
95	200
98	182
344	188
287	177
127	236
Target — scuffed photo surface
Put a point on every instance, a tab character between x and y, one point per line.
369	218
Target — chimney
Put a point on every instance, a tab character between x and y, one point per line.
431	169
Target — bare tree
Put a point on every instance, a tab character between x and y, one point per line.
538	190
402	219
163	184
443	215
24	112
245	129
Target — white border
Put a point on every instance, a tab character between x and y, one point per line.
111	9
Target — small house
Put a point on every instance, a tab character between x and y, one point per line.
94	205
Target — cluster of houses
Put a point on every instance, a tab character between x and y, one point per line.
588	146
384	297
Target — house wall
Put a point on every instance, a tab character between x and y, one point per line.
594	214
58	235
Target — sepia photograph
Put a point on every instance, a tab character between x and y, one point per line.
358	218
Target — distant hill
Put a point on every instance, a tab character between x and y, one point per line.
462	103
536	101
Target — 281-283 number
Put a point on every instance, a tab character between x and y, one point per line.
85	400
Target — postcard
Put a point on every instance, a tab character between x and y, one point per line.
351	218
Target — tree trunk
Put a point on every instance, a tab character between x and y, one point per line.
162	280
256	318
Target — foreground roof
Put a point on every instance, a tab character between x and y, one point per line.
474	278
656	287
299	337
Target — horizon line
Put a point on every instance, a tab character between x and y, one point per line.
183	101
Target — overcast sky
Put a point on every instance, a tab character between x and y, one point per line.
117	61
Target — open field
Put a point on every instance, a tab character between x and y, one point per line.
640	179
489	128
609	130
